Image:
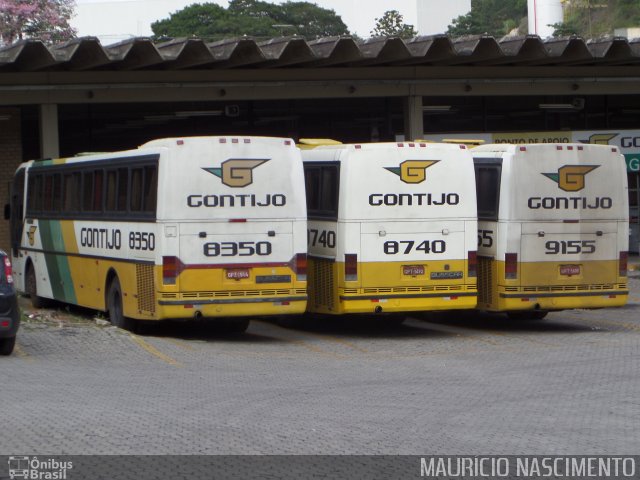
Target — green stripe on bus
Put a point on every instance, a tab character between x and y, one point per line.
57	265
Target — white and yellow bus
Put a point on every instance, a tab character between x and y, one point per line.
180	228
392	227
553	228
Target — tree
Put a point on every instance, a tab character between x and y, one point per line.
590	19
255	18
46	20
493	17
391	24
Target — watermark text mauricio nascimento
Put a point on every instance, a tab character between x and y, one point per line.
528	466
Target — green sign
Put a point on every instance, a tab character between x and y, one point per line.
633	162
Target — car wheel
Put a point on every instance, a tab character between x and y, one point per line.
32	289
114	305
6	345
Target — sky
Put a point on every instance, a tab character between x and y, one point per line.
95	17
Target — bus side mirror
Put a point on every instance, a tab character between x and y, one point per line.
7	211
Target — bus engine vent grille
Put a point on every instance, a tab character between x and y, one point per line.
485	280
321	283
146	290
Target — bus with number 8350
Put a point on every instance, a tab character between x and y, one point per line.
180	228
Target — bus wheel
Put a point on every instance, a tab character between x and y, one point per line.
6	345
114	305
234	326
527	315
32	289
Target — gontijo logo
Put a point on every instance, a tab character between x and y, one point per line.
600	138
570	178
235	172
412	171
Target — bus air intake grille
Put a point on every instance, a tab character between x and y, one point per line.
438	288
321	283
485	280
604	287
236	294
146	289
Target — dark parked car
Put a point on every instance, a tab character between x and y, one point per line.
9	312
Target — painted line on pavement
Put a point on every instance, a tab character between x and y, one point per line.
155	352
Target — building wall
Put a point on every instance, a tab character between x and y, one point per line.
435	16
10	158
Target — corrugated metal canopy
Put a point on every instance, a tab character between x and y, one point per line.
87	54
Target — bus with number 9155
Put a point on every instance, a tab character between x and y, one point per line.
553	228
180	228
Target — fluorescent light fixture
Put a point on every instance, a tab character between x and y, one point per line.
576	104
557	106
200	113
437	108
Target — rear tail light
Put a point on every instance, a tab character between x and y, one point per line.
472	262
511	266
622	265
171	268
350	267
299	266
8	273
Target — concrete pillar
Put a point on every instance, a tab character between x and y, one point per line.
49	140
10	158
413	120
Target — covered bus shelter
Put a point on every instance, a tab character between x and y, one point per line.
82	96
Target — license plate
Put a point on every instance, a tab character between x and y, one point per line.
569	270
237	273
413	270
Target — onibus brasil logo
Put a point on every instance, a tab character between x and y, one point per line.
571	178
235	172
35	468
412	171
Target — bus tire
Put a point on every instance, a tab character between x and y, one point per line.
114	306
32	289
234	326
6	345
527	315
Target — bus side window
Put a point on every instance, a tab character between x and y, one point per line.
47	197
71	193
123	188
35	194
488	190
87	191
56	204
135	202
322	186
150	188
110	203
98	189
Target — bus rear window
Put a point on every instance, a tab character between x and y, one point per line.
322	182
488	190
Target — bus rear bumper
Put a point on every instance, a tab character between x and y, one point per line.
406	303
253	307
561	301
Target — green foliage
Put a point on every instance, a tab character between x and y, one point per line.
493	17
391	24
253	18
591	18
